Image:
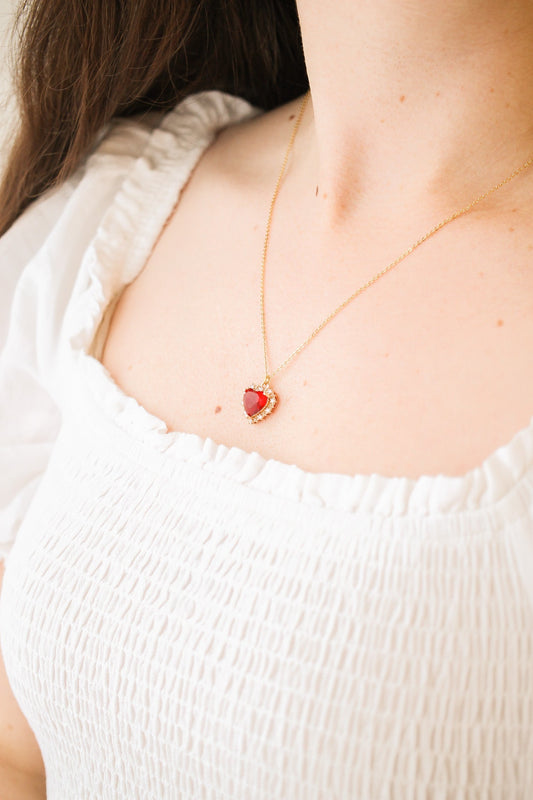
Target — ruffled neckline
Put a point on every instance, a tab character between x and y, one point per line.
117	254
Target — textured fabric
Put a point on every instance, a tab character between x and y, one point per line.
185	620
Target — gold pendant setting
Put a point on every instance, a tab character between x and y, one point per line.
258	401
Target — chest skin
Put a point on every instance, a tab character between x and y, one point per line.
429	370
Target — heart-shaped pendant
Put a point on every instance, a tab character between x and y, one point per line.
258	400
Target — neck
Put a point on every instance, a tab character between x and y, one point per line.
413	102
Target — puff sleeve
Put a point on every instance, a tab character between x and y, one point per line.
40	256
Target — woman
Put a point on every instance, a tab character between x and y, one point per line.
335	601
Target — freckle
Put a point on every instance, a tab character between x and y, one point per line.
511	229
325	195
530	247
382	120
481	274
217	409
291	116
402	98
437	94
515	209
386	355
130	366
492	89
507	105
500	323
305	383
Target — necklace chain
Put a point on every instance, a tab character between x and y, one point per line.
394	263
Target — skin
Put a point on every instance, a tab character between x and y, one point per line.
22	775
428	370
417	107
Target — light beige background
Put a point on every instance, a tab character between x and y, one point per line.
6	99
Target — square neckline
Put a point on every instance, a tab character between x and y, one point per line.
118	253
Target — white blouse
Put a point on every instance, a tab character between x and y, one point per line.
184	620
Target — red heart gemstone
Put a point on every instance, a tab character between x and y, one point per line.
254	401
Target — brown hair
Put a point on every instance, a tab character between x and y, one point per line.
81	62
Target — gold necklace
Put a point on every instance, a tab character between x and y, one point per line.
259	400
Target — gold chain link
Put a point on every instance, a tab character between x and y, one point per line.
379	274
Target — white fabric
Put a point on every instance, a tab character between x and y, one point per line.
181	619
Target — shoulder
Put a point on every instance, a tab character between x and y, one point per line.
148	142
115	148
63	220
73	245
118	146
